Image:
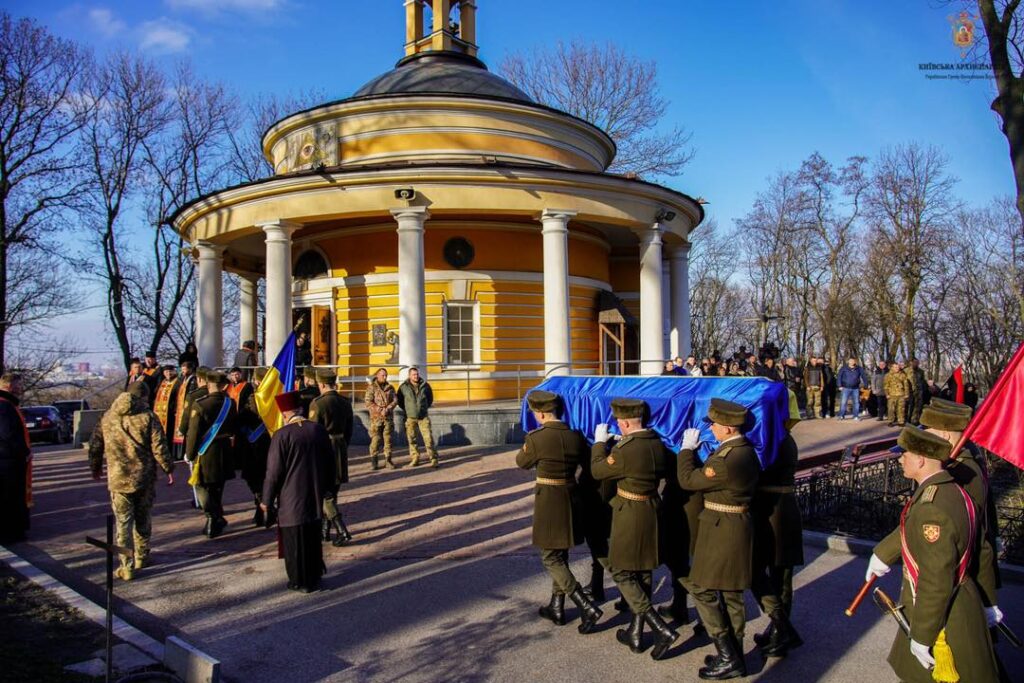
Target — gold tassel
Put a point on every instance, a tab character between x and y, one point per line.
193	477
944	671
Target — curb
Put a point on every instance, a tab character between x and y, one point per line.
91	610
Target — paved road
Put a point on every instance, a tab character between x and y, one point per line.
440	585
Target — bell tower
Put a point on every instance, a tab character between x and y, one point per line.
440	26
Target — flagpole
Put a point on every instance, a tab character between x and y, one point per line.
988	402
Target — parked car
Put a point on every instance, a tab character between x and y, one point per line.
67	411
45	423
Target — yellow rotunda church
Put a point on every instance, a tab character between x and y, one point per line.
441	213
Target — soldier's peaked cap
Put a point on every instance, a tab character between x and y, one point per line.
215	377
920	442
309	371
544	401
935	417
628	408
951	406
327	375
726	413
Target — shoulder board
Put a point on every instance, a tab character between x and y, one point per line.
929	493
722	452
623	441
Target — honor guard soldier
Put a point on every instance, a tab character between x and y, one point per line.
722	557
209	446
557	451
252	445
778	540
597	525
334	412
309	390
200	391
636	463
942	603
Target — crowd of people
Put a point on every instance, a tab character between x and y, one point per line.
725	526
891	391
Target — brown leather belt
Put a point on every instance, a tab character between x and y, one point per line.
629	495
777	489
719	507
554	482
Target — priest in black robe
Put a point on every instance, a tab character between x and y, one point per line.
300	469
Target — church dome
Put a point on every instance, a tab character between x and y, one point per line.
442	73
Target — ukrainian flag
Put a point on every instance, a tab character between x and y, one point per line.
280	378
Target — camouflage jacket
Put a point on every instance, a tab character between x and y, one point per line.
380	400
131	438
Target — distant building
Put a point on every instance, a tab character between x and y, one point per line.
440	203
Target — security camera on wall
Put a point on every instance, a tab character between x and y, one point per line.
406	193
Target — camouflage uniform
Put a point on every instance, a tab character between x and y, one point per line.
132	441
381	400
916	380
897	388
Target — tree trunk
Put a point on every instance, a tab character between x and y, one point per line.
4	325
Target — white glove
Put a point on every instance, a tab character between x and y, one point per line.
876	568
691	439
994	615
923	655
601	434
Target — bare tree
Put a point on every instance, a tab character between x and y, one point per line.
911	205
611	89
247	162
40	111
134	109
717	303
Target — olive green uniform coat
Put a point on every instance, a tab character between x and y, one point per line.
641	462
970	472
334	412
937	532
778	533
216	465
723	555
556	451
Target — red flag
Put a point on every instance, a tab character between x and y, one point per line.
958	379
997	424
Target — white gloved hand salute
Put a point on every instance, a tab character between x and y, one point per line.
601	433
920	651
691	439
876	568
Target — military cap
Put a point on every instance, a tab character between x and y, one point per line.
259	373
726	413
629	408
215	377
139	390
920	442
952	406
203	372
309	372
544	401
935	417
326	375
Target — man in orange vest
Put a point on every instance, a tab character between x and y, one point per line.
186	385
239	389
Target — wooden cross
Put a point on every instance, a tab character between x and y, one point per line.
110	549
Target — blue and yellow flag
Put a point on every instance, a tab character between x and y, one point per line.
280	378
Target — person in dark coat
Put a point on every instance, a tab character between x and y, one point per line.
334	412
677	526
828	394
15	453
191	397
557	452
190	354
637	463
214	466
300	470
245	358
252	446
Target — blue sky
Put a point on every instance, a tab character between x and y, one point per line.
760	85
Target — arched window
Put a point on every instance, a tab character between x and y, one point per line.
311	264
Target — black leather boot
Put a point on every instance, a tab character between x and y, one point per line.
595	589
554	611
208	528
325	529
663	635
340	537
728	664
589	612
621	605
677	608
632	635
762	639
342	529
783	636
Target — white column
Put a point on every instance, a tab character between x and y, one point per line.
651	323
279	285
679	276
666	305
412	309
247	308
557	348
210	335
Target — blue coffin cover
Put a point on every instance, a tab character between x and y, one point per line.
677	403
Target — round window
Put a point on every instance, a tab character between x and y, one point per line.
458	252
